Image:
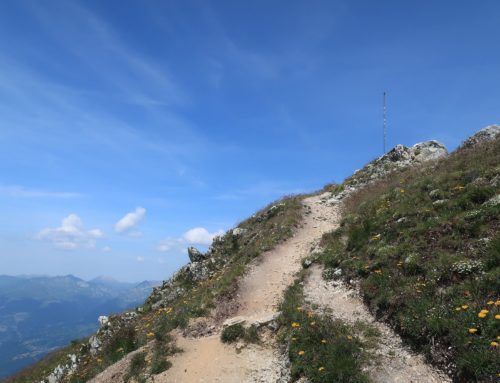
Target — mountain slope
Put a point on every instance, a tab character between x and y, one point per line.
406	217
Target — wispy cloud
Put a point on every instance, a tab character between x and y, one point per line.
194	236
71	234
22	192
129	222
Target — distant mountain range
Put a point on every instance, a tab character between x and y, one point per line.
39	314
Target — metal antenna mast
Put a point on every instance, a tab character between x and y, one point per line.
385	121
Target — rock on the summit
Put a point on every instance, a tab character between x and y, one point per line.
103	320
195	255
486	134
428	151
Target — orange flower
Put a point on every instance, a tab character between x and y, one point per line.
472	330
494	344
301	352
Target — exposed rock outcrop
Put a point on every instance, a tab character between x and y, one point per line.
398	157
486	134
195	255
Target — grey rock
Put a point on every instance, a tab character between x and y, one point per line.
428	151
440	202
436	194
234	321
493	201
238	231
195	255
306	263
486	134
103	320
397	158
198	271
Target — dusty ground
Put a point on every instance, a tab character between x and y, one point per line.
395	363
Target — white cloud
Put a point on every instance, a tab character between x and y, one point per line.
194	236
130	221
200	236
22	192
139	259
71	234
107	249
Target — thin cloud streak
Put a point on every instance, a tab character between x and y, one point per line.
22	192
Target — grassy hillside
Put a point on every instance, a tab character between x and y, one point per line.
193	291
424	245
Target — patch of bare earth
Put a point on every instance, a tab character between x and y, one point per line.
393	362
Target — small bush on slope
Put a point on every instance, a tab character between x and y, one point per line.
425	245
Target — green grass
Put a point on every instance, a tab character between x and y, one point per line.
320	348
136	368
237	331
419	262
232	333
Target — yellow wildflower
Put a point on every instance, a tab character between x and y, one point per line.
321	369
497	303
294	338
150	334
323	341
349	337
497	316
482	315
494	344
301	352
295	325
376	237
458	308
465	307
378	271
472	330
490	302
313	323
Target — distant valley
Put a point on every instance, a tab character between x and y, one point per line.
38	314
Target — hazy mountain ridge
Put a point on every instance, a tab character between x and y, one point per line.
39	313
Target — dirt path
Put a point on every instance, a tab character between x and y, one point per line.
206	359
395	362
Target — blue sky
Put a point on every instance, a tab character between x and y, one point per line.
124	125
